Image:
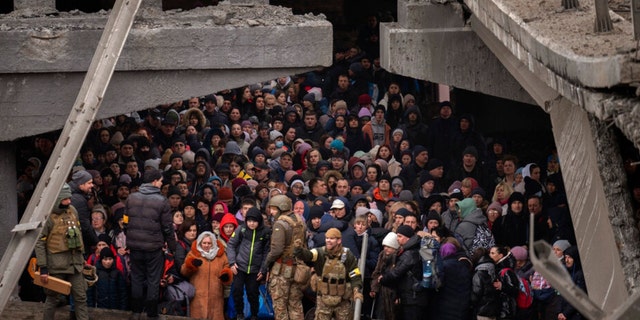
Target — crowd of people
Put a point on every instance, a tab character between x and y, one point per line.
249	186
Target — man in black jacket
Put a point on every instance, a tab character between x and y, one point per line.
149	224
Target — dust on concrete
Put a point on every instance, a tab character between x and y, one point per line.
227	15
572	31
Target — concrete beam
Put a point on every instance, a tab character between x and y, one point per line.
530	45
34	4
424	14
589	204
451	56
169	56
28	110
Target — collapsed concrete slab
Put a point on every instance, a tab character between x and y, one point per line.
169	56
431	42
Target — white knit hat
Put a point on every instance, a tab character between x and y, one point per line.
391	240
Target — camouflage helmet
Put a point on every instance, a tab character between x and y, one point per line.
281	202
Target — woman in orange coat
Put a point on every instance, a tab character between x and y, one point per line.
208	270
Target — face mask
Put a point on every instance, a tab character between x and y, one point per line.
62	206
279	144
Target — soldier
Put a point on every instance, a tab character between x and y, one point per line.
285	292
337	281
59	254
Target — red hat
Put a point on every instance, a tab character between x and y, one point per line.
235	183
364	99
225	193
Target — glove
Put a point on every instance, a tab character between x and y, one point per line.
224	277
44	270
297	251
357	295
196	262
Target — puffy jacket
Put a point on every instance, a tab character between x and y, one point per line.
80	201
453	299
248	248
406	274
110	292
150	220
467	227
484	296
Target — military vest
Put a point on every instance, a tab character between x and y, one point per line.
298	233
65	234
333	286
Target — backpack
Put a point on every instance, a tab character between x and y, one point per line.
524	298
483	238
431	262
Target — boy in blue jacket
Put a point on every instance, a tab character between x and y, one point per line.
246	251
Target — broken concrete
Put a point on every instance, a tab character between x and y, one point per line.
210	49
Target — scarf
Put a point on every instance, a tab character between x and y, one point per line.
211	254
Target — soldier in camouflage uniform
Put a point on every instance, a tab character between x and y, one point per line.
338	281
286	294
59	254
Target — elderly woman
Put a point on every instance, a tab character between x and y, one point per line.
208	270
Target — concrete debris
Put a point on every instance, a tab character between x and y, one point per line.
222	14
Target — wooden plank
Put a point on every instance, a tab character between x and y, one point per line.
55	284
79	122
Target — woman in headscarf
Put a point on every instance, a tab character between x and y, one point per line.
208	270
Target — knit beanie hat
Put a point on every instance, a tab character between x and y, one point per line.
519	253
434	163
362	211
237	182
364	112
337	144
405	195
333	233
104	238
425	177
495	206
470	150
562	244
479	191
225	193
391	240
81	177
405	231
417	150
106	253
377	213
173	190
315	212
433	215
403	212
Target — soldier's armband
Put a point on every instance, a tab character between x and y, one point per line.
314	255
354	273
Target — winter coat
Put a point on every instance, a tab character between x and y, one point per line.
484	296
406	274
453	298
467	227
312	134
150	220
182	249
512	229
386	296
418	132
79	200
248	248
510	287
369	132
373	249
110	291
208	303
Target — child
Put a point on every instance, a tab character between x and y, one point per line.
228	225
247	250
110	291
386	307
